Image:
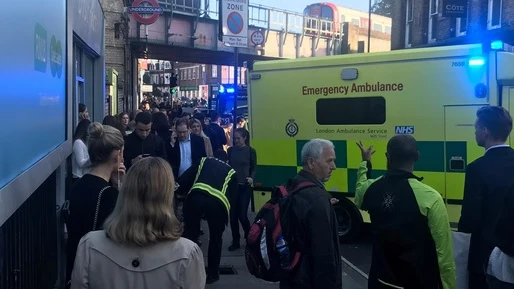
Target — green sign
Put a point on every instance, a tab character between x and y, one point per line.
189	88
56	57
40	48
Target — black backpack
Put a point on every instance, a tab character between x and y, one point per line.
268	256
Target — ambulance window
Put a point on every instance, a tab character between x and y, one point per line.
351	111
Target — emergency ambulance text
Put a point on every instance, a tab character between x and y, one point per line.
346	89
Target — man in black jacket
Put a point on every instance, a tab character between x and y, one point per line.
487	182
142	143
315	222
221	138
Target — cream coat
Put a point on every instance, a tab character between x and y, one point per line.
104	264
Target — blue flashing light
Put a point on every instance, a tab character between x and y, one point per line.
230	90
476	61
497	45
221	89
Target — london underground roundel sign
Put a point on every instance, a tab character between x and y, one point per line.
142	8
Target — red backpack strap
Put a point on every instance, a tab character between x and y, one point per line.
283	191
303	185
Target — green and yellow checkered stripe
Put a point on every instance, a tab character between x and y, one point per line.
279	160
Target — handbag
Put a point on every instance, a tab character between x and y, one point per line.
98	206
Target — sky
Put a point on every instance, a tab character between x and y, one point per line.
299	5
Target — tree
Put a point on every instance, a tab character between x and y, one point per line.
383	7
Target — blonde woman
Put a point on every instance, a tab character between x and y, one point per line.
93	196
196	128
141	245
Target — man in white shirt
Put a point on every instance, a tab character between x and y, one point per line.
185	149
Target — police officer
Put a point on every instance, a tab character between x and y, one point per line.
209	188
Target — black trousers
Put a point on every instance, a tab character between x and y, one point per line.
198	205
239	212
494	283
477	280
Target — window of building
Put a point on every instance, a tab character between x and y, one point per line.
377	27
188	75
432	20
194	72
356	21
214	71
117	30
408	23
494	14
461	26
387	29
351	111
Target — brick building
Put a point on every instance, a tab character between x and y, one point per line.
194	79
118	56
418	23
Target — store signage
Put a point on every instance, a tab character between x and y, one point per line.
455	8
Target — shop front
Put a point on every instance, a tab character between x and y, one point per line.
88	76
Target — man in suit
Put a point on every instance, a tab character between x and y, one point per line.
185	149
221	138
487	182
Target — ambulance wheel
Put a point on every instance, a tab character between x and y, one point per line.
349	220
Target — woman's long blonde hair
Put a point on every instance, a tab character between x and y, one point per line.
144	210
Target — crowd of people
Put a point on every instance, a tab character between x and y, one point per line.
163	150
125	231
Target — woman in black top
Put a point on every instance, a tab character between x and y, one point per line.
243	159
93	197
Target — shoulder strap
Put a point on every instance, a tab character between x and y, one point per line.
98	206
303	185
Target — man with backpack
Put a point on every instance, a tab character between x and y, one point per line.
294	239
412	243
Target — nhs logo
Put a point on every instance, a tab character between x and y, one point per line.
404	129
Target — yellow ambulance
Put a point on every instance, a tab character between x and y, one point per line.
430	93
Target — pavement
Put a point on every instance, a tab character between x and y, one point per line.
233	272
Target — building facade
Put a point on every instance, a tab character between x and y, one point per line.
118	58
418	23
60	67
356	26
195	79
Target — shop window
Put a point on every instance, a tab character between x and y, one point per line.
432	20
494	14
461	26
214	71
351	111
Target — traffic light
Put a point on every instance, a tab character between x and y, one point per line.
173	90
173	81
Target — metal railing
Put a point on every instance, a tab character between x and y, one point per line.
28	242
260	16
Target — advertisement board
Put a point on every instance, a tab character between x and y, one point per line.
33	94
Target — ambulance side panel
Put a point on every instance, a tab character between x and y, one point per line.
290	106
